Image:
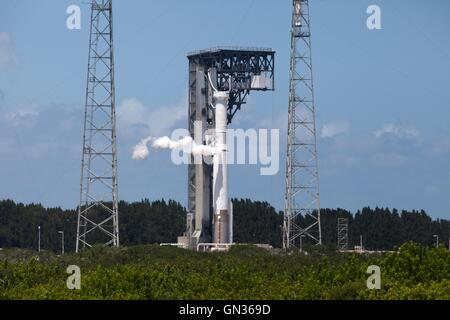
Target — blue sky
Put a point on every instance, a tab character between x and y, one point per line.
382	97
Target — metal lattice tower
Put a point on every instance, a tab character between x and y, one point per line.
98	209
302	200
342	234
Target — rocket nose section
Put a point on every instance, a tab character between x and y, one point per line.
221	95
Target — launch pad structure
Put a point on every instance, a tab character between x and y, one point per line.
220	79
237	71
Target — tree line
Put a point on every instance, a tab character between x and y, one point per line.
147	222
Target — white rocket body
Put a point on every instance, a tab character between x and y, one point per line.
221	202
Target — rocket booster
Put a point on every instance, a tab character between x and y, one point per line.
222	212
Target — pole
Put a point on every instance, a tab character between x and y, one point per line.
62	241
39	238
360	242
301	242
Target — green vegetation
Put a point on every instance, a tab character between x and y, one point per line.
141	271
141	222
246	272
146	222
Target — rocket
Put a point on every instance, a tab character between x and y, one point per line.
222	220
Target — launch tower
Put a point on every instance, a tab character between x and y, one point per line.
237	71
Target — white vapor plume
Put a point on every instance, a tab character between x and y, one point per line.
140	151
187	144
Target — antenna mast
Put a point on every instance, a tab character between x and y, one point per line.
98	209
302	200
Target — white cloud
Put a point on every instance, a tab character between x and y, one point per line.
8	57
332	129
344	159
398	131
277	121
6	144
440	147
389	159
25	116
36	132
154	121
41	149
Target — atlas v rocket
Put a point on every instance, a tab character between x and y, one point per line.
222	220
220	79
221	232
